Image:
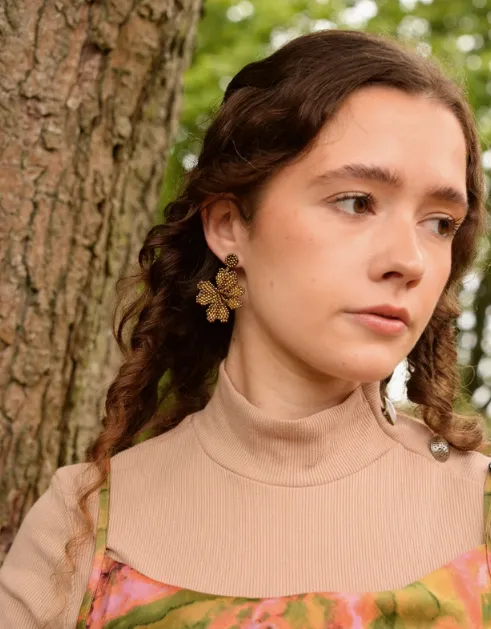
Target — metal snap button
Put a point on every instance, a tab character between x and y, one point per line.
439	448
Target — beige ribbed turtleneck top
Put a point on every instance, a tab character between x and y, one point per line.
235	502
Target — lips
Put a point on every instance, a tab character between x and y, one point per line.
387	311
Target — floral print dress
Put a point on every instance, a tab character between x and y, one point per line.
455	596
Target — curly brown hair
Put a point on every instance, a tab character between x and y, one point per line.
271	113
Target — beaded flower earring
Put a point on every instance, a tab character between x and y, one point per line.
223	297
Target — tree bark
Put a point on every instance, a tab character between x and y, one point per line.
89	97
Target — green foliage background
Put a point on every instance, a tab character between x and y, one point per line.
458	32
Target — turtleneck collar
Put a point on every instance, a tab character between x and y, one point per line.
314	450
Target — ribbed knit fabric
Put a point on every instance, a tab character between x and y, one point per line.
234	502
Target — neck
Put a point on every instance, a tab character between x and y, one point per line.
283	389
289	450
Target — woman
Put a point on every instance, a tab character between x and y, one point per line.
335	206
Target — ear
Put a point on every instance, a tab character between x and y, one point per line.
223	228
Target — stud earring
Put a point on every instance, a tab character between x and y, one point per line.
223	297
389	411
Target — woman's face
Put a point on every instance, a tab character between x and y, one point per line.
365	219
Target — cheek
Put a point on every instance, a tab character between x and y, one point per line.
301	261
295	284
283	267
295	237
278	226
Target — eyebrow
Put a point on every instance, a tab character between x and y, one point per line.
445	194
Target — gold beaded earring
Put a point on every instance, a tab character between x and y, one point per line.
225	295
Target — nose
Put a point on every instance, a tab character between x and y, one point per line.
399	255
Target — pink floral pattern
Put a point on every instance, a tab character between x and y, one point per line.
456	596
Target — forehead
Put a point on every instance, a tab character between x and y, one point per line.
413	134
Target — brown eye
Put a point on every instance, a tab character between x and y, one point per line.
446	227
361	204
358	204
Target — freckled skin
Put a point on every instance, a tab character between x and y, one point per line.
306	263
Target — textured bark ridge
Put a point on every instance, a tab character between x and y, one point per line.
89	96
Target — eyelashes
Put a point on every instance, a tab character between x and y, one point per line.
453	224
363	203
366	198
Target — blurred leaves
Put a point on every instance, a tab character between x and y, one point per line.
232	34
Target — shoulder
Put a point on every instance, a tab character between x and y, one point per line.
70	480
414	436
39	581
67	486
163	450
146	464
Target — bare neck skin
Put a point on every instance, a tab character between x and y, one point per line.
278	383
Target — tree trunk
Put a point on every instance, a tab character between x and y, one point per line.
89	97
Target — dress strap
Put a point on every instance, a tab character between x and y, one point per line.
487	516
99	553
103	515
